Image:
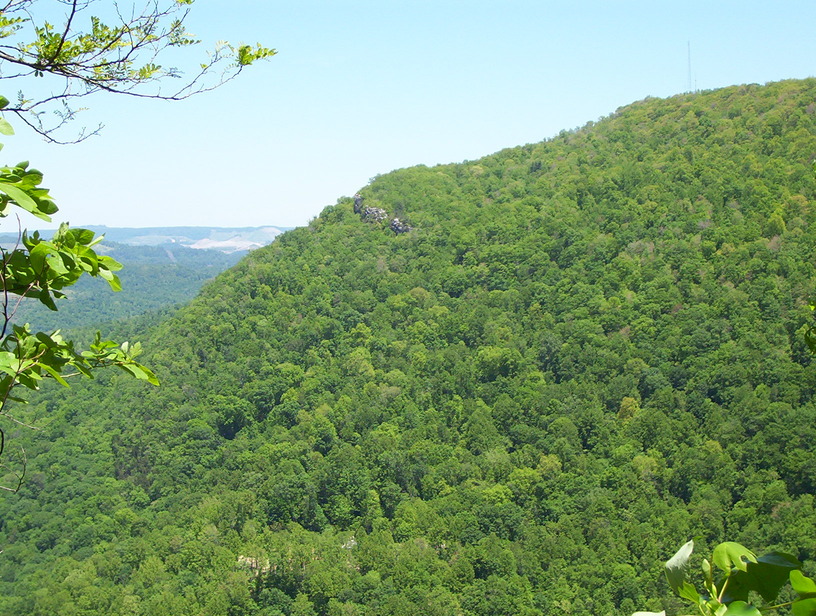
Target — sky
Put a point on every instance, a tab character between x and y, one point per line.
359	88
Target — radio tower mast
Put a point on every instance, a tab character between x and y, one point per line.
688	44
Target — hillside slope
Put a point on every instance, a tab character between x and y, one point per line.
585	352
153	278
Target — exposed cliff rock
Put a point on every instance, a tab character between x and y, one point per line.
397	226
374	214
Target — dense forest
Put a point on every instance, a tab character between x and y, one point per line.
583	353
154	278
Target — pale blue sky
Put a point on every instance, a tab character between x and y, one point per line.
361	88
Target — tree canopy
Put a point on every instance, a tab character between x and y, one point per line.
583	353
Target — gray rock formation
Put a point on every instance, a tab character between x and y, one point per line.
374	214
397	226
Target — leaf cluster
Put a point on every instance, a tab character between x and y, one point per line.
743	576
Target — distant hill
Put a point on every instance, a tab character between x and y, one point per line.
163	267
223	239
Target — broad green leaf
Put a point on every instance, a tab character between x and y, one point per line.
38	254
687	591
45	339
23	200
58	263
141	373
114	283
741	608
112	279
4	102
85	236
766	576
5	127
9	363
802	584
57	377
730	554
110	263
677	565
46	299
805	607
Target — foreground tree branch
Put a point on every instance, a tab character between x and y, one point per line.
79	54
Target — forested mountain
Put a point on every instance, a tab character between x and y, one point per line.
584	352
153	278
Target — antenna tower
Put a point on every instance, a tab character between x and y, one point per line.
688	45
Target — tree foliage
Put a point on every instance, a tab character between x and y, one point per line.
83	59
743	577
117	49
586	351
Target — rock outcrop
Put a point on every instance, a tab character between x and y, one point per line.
397	226
376	214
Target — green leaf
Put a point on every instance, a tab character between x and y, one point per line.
5	127
802	584
804	607
766	576
730	554
741	608
687	591
58	263
113	279
109	263
85	236
141	372
8	363
23	200
55	374
677	566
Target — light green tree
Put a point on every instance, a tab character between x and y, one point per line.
54	54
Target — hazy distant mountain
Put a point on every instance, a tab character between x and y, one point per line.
153	278
223	239
164	266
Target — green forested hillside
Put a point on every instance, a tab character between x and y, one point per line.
153	278
585	352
